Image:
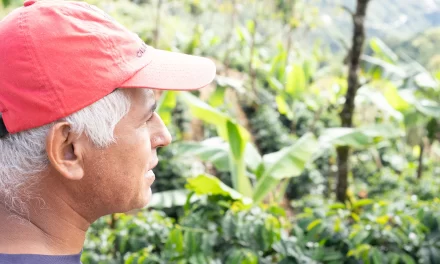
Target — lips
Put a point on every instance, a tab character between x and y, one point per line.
156	161
150	174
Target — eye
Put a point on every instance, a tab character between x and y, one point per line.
151	116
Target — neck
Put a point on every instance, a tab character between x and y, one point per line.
50	227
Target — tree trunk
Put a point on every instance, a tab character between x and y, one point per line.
346	114
420	168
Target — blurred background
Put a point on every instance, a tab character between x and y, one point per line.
309	147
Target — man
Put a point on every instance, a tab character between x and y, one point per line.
78	131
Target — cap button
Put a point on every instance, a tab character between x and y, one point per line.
29	2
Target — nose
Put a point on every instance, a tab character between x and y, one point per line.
162	137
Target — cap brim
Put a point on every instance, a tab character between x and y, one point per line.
173	71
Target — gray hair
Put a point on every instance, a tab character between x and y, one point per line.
23	155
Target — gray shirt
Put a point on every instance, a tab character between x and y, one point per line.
39	259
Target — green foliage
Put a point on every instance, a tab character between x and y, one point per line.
258	188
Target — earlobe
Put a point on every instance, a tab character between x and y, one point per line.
64	151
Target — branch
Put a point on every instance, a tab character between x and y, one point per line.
345	8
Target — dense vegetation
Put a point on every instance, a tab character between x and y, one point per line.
252	172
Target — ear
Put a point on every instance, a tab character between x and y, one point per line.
64	151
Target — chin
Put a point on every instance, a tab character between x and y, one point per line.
144	199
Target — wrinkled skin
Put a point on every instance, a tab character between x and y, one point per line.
84	182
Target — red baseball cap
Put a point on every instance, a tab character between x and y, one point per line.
58	57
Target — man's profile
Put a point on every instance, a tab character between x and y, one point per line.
78	130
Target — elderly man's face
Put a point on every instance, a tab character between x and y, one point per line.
118	178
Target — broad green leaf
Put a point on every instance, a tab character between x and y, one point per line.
361	203
296	81
393	258
425	79
359	250
210	185
283	107
214	150
174	242
389	68
242	34
166	105
358	138
210	115
278	68
250	24
217	98
275	84
378	99
376	256
236	141
424	106
285	163
252	157
429	108
384	130
380	48
407	259
355	217
313	224
382	219
393	97
337	206
290	161
342	136
242	256
237	144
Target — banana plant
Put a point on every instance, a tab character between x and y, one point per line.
232	151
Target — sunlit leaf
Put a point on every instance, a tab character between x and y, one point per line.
210	115
214	150
250	24
210	185
382	219
217	98
358	138
237	144
344	137
362	203
424	79
283	107
378	99
393	97
275	84
296	81
313	224
288	162
380	48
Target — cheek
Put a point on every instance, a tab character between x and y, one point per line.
137	152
